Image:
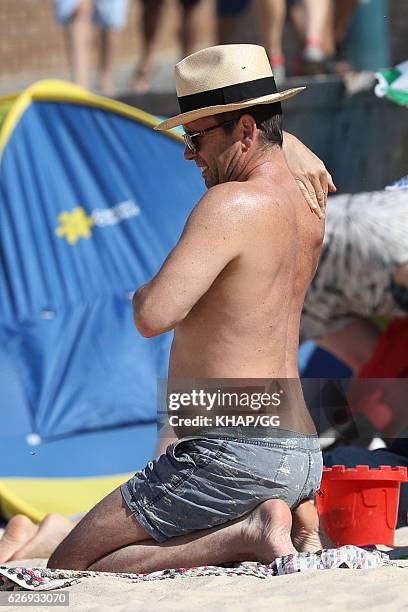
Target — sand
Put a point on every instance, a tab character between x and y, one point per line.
384	588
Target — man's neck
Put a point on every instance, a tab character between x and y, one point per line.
269	161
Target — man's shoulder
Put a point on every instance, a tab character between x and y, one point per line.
231	190
237	198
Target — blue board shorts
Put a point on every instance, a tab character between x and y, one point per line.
200	483
109	14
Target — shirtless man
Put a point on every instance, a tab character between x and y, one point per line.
233	290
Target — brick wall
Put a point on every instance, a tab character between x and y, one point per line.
30	41
32	44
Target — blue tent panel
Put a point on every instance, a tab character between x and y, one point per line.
91	203
92	199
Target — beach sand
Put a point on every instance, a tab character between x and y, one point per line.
384	588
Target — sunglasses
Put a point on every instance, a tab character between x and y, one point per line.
189	138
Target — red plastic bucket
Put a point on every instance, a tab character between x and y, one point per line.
360	505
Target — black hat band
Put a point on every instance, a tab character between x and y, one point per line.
239	92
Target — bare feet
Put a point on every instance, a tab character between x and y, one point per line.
267	531
51	531
263	535
307	535
19	530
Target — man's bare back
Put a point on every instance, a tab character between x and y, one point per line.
246	325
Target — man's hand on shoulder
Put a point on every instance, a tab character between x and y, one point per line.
314	181
208	243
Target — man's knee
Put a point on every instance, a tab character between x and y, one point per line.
72	553
62	561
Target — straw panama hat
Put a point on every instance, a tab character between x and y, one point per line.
221	79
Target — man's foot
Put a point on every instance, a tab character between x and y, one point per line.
19	530
307	535
51	531
266	531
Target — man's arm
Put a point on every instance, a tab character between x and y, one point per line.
310	173
208	243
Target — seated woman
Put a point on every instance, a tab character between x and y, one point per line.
362	273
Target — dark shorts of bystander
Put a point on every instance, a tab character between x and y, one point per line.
231	8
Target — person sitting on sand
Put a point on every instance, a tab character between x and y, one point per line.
232	289
362	273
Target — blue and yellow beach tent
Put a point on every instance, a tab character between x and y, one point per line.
91	201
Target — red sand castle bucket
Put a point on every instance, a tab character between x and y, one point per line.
360	505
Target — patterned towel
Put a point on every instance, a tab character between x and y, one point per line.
352	557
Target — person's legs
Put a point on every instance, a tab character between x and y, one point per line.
272	15
151	13
191	24
318	28
266	525
177	498
318	14
263	535
78	38
354	344
107	41
226	29
297	15
107	527
328	42
229	15
342	14
342	17
24	540
110	538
